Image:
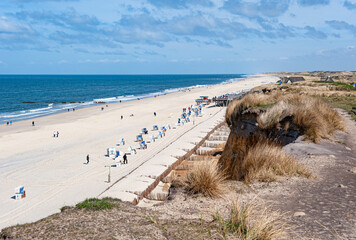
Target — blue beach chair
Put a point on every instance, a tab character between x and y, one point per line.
139	138
144	131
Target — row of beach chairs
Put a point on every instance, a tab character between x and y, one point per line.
113	153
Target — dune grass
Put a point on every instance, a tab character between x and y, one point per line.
247	222
266	160
250	100
340	85
348	103
95	204
313	116
205	178
256	158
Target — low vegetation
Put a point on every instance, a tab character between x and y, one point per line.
266	160
338	85
248	222
347	103
205	178
256	158
313	116
96	204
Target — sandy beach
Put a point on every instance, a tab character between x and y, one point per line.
53	170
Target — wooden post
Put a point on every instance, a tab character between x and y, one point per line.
109	180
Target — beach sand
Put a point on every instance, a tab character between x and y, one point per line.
53	170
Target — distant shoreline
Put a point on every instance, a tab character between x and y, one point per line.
61	107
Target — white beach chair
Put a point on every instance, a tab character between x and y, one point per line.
111	152
143	145
20	192
131	150
118	161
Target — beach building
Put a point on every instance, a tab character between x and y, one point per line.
327	79
289	79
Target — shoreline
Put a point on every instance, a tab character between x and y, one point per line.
27	122
53	170
107	100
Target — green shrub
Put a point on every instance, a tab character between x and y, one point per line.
96	204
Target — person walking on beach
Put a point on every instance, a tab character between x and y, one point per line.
125	158
154	113
54	133
57	133
88	159
33	123
122	117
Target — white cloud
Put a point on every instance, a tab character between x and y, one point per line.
62	61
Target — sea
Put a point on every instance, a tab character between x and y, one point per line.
30	96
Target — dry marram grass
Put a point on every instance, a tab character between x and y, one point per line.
250	100
257	158
266	160
315	118
250	222
205	178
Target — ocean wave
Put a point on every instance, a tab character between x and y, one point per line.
53	108
233	80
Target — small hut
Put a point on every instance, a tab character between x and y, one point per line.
328	79
289	79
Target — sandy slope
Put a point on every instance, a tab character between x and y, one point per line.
53	169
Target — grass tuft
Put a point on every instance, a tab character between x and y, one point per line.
256	158
314	117
205	178
248	222
266	160
65	208
237	106
95	204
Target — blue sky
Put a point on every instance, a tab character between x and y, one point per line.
176	36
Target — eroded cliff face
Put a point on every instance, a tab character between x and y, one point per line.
245	124
274	119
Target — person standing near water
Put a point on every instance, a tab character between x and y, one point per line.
33	123
88	159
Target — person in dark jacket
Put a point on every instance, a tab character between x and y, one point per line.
125	158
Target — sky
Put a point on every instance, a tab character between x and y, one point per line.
176	36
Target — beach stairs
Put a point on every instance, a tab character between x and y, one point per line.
203	153
151	180
160	192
